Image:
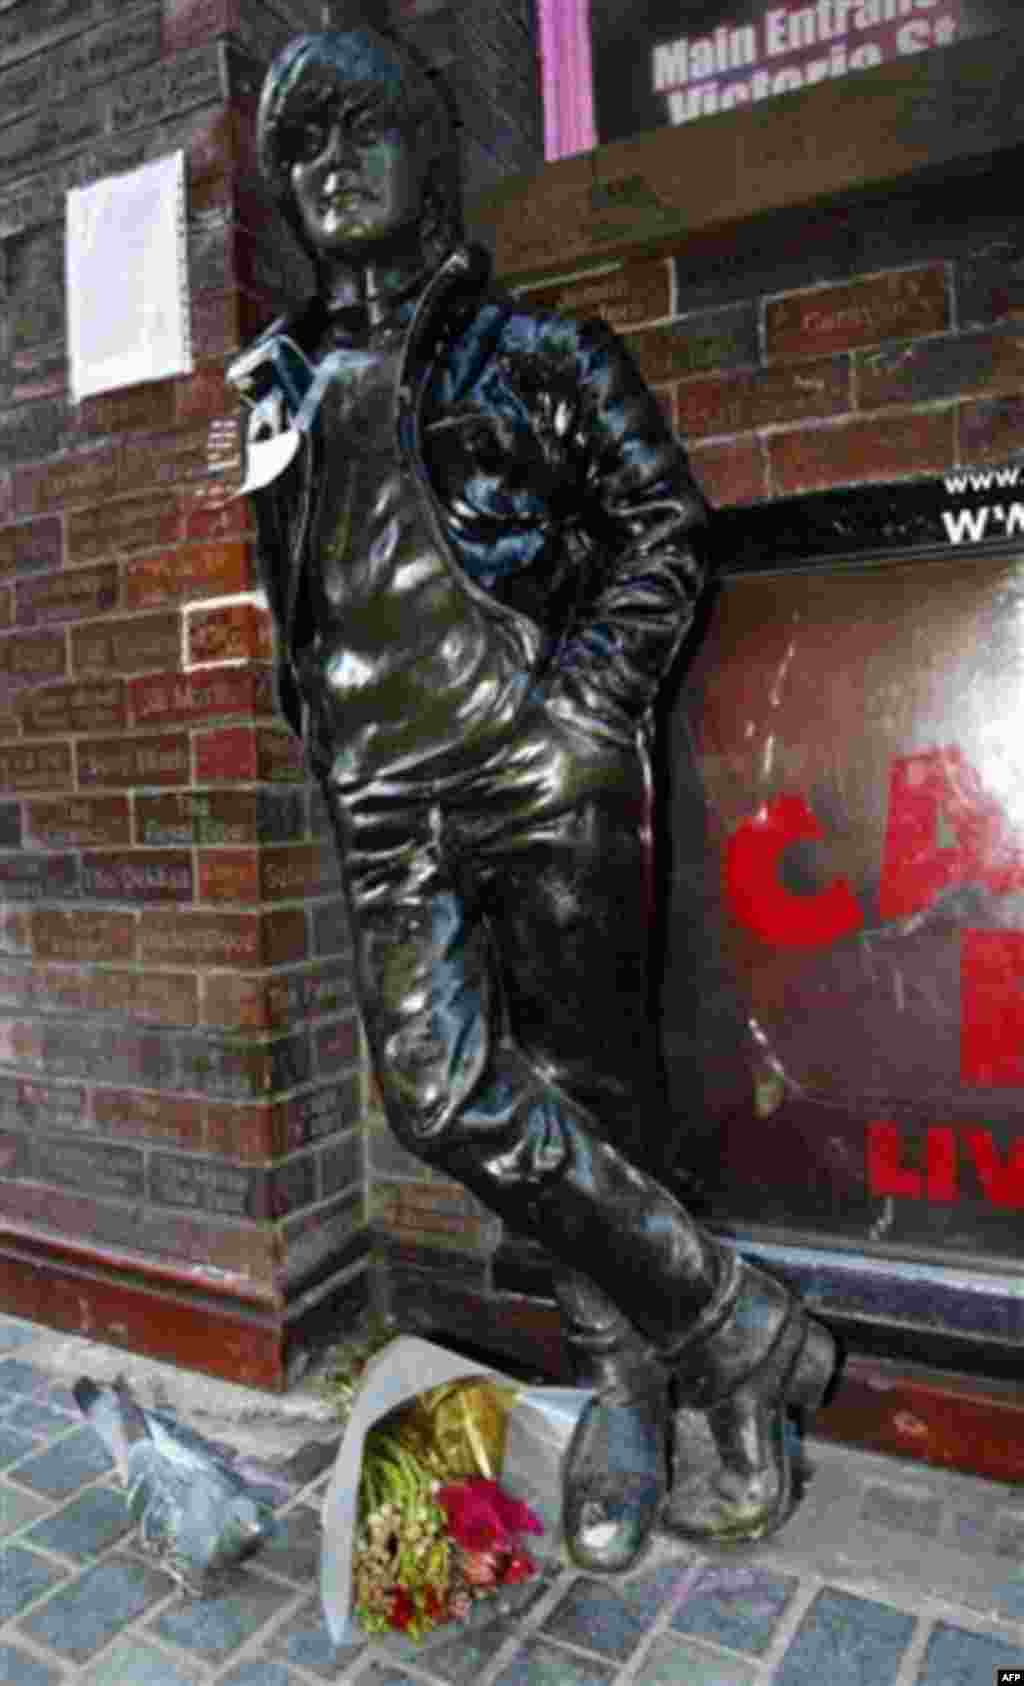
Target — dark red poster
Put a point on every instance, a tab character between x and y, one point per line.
844	995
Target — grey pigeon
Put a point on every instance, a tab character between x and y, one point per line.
196	1514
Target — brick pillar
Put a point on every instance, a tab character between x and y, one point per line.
181	1153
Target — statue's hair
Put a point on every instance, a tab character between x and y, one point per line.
312	69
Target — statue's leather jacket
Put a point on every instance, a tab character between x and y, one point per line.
552	482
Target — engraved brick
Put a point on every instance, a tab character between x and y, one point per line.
79	822
69	125
240	632
38	877
638	292
298	871
22	1044
229	1070
244	940
209	570
713	339
29	431
135	409
162	1118
32	547
148	876
219	816
900	305
209	515
228	1190
42	1106
31	658
244	1132
233	1001
158	998
75	595
94	1166
321	1112
884	448
243	753
44	766
29	26
140	761
731	473
991	430
941	368
84	478
123	526
19	986
96	705
755	398
229	875
201	695
189	454
109	1054
337	1044
134	644
326	1237
13	1154
82	935
10	825
15	932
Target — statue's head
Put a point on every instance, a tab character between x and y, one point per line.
356	142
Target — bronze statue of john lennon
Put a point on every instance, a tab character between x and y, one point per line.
481	546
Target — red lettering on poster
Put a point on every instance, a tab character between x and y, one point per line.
933	793
1002	1180
758	899
992	1008
942	1183
886	1176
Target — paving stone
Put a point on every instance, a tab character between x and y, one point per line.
738	1606
303	1639
24	1575
602	1616
213	1627
295	1549
906	1511
386	1674
954	1657
1009	1534
131	1662
461	1659
310	1461
539	1663
88	1612
674	1662
17	1668
847	1641
257	1674
86	1526
17	1508
67	1465
14	1445
35	1416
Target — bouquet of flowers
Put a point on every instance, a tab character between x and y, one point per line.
442	1496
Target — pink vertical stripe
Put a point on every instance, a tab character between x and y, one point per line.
566	75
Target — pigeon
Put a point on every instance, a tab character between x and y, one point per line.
196	1514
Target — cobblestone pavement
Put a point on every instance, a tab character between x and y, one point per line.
889	1574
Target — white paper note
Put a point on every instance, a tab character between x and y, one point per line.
127	279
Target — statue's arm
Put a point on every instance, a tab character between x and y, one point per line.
644	513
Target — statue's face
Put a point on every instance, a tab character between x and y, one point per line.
355	176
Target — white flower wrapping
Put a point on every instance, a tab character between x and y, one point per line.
539	1428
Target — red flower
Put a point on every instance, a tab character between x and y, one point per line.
482	1518
518	1567
402	1609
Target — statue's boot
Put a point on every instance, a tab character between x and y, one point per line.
754	1354
615	1473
